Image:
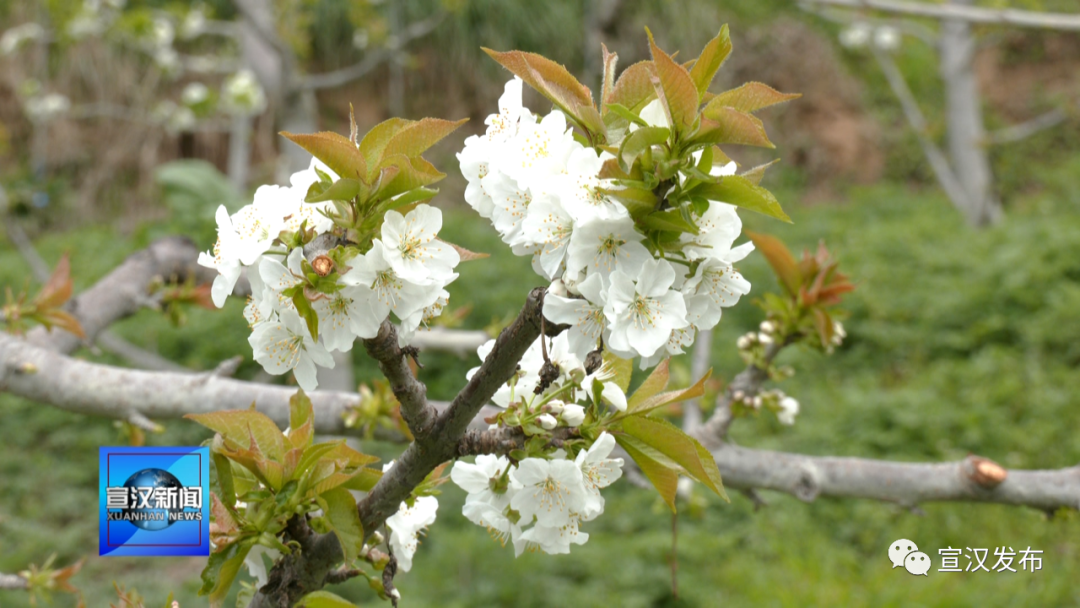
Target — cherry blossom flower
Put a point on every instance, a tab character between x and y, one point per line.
551	491
410	247
603	246
598	471
285	344
479	480
553	540
584	316
642	315
406	525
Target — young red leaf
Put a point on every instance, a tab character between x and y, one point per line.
57	289
242	426
751	97
610	60
708	63
375	141
340	154
465	254
781	260
677	87
417	137
554	82
730	126
634	88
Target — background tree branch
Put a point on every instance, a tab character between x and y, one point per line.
973	14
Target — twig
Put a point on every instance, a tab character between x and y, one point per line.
974	14
13	581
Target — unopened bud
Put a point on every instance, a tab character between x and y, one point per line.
557	288
738	395
554	407
765	338
743	343
322	265
547	421
573	415
767	327
757	402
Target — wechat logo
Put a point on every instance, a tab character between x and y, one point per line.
906	554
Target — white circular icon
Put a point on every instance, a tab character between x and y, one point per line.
917	563
899	550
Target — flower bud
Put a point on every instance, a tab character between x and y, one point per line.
554	407
738	395
788	408
767	327
557	288
765	339
573	414
547	421
757	402
322	265
743	343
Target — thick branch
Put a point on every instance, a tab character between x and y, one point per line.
101	390
974	14
125	290
410	393
908	484
748	382
13	581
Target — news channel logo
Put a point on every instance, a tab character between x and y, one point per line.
154	501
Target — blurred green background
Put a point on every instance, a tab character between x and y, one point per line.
959	341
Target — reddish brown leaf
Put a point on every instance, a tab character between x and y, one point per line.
679	91
554	82
417	137
374	143
751	97
634	87
57	289
63	320
729	126
610	61
340	154
465	254
781	260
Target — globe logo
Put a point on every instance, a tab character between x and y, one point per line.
146	517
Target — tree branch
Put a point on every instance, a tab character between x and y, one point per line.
13	581
410	393
1013	17
79	386
372	60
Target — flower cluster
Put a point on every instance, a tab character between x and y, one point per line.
407	523
543	191
309	294
538	504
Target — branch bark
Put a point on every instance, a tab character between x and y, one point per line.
13	582
972	14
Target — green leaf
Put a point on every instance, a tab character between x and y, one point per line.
554	82
638	142
741	192
730	126
671	220
608	83
671	441
663	477
221	570
344	189
634	90
313	455
708	63
652	385
364	480
412	173
306	312
756	174
417	137
620	110
751	97
243	426
679	91
375	141
407	198
324	599
339	507
340	154
652	402
638	201
225	478
622	369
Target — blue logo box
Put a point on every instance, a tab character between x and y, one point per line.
154	501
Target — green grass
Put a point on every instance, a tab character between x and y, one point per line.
958	342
